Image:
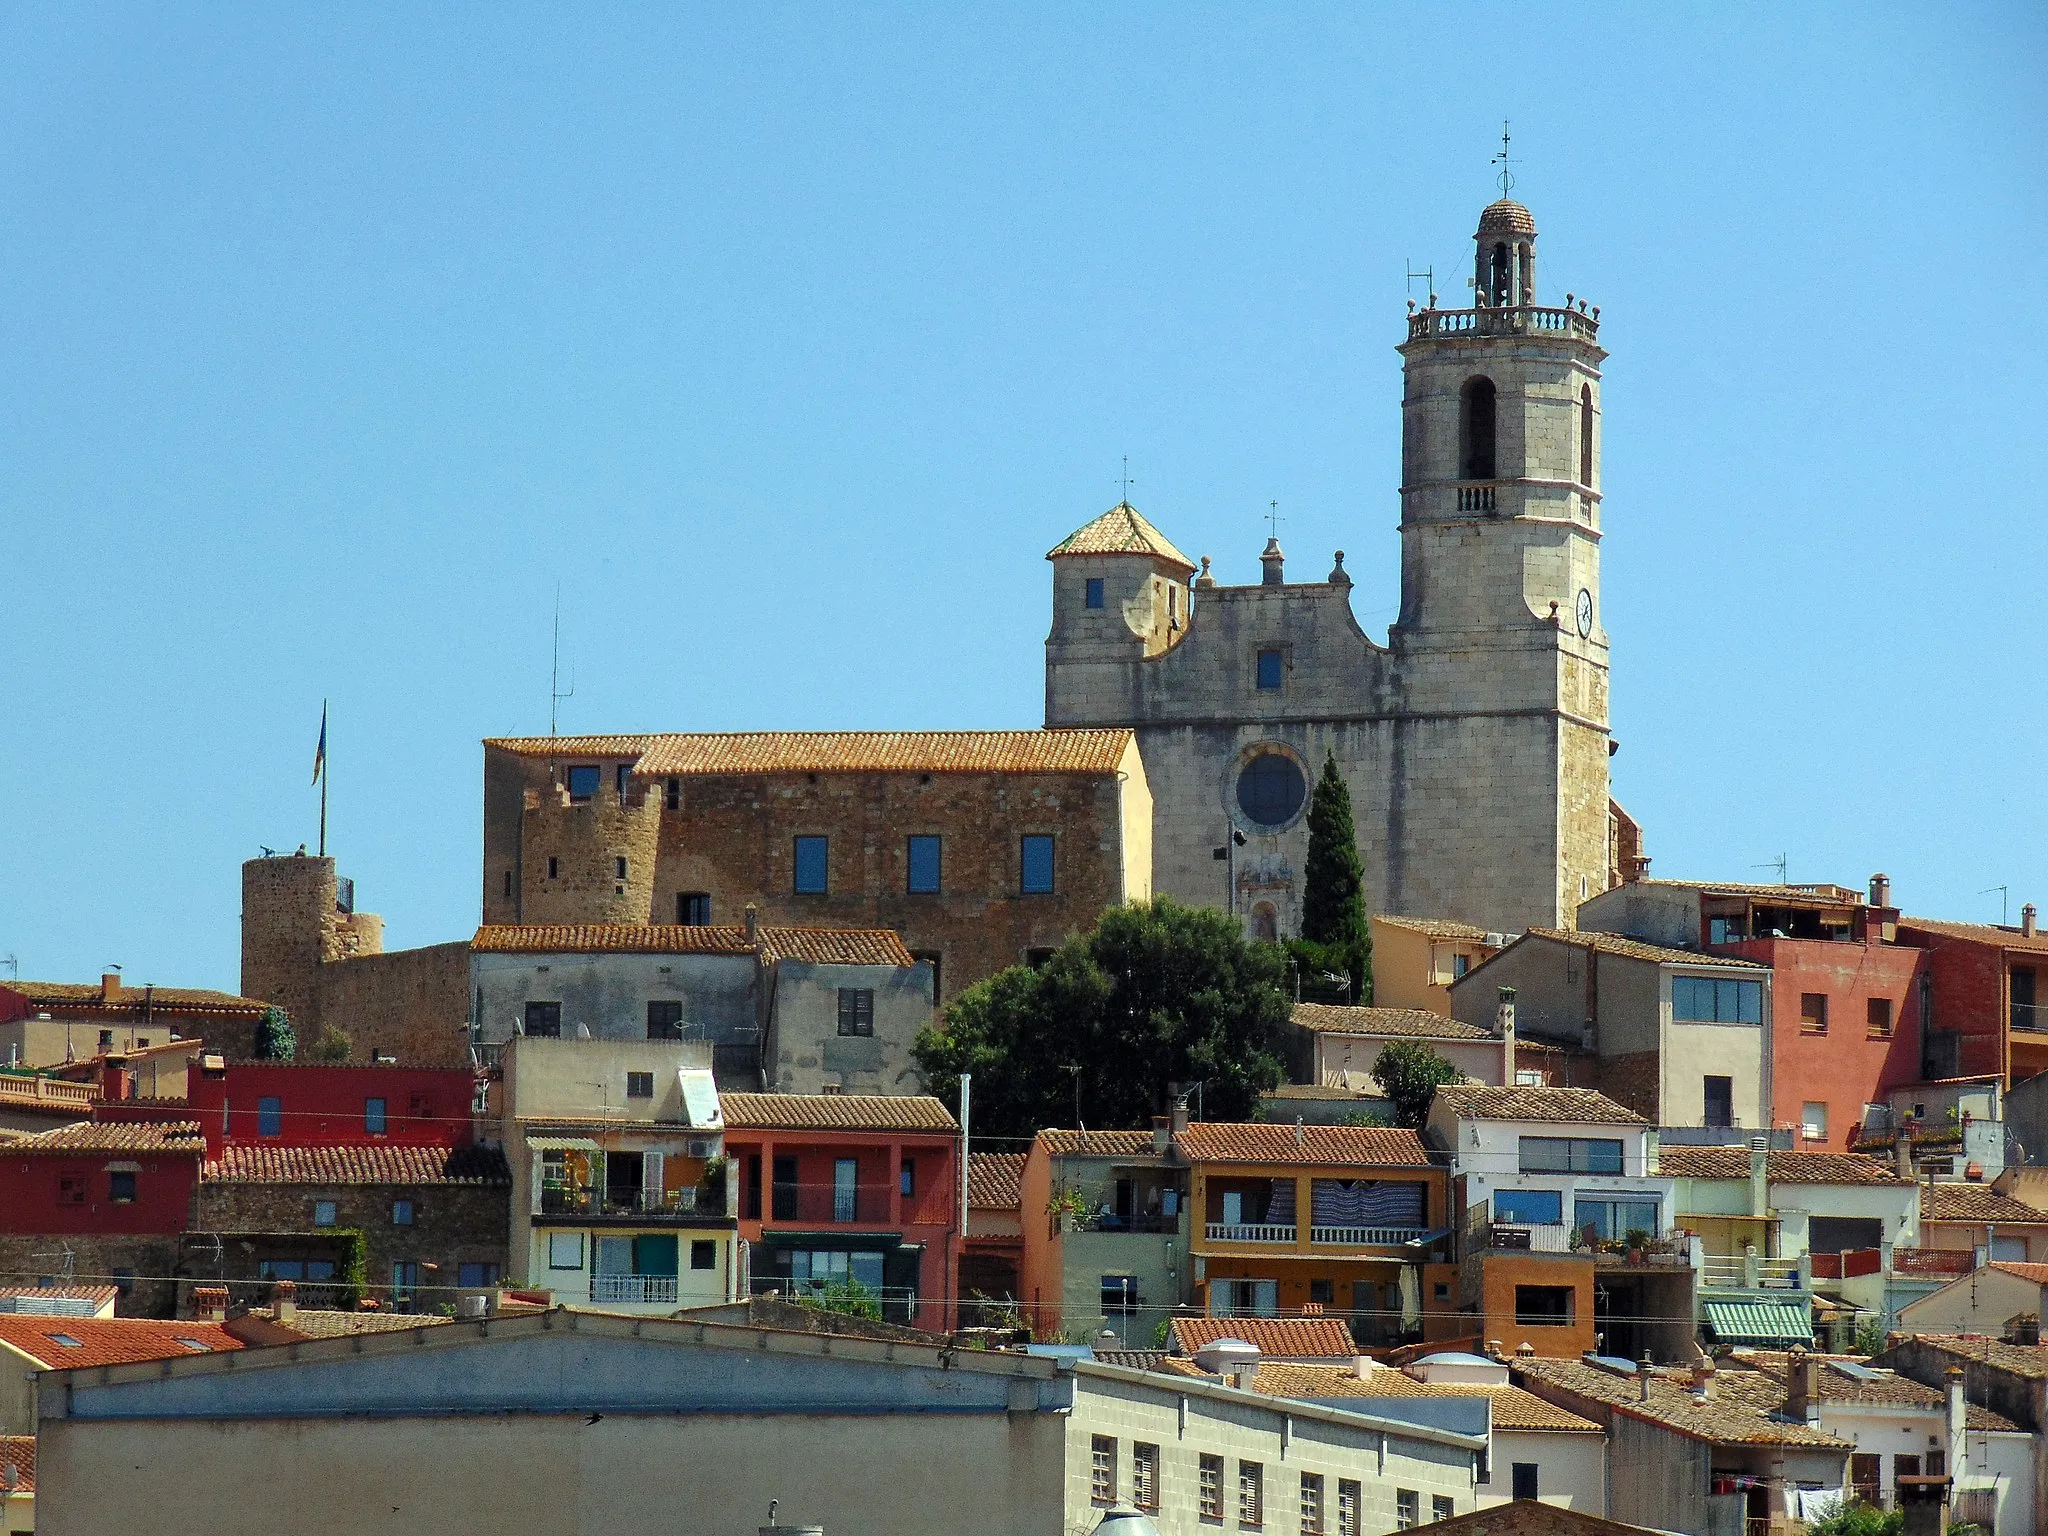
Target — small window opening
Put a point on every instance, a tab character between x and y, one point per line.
1094	592
1586	435
1476	434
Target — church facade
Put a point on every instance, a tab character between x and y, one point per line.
1475	740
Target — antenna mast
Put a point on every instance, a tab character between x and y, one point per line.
555	693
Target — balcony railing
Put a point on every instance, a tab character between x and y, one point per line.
558	1199
1932	1261
1749	1274
1251	1232
825	1205
1364	1237
1517	320
1475	498
2031	1018
1529	1236
1848	1265
634	1288
1114	1223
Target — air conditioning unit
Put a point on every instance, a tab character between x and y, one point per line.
1497	941
703	1146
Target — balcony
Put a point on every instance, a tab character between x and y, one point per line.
1365	1237
1749	1273
829	1205
646	1289
1528	1236
1519	320
2030	1018
1252	1232
1936	1263
588	1200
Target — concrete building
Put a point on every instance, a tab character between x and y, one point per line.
1985	1005
1475	741
992	1248
18	1484
1990	1300
1105	1227
1415	959
1980	1224
786	1010
29	1345
48	1023
1677	1036
550	1424
981	848
2010	1379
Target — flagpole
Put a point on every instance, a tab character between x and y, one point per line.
320	773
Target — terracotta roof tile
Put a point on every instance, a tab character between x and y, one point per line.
1055	751
358	1164
1757	1377
76	997
1780	1167
2029	1360
1348	1145
1978	933
325	1323
1636	949
1406	1023
1324	1338
1122	530
1513	1408
109	1340
172	1136
1434	927
98	1295
1821	893
994	1181
834	1112
1723	1418
815	946
2038	1273
19	1452
835	946
1476	1101
1973	1202
573	746
1062	1143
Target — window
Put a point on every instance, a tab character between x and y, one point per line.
121	1187
1270	789
639	1085
1475	430
1725	930
565	1250
1544	1306
401	1213
106	1040
1586	435
269	1116
846	1189
323	1213
1614	1219
907	1178
1119	1296
619	867
1311	1504
1562	1154
1094	592
405	1281
621	772
1877	1017
665	1020
66	1340
1323	1292
1538	1207
545	1020
1407	1509
672	795
1813	1121
1102	1469
1813	1013
703	1253
1524	1478
508	885
1271	665
693	909
856	1010
71	1191
1460	964
124	1281
782	1196
1209	1490
554	866
1251	1495
1347	1506
812	858
476	1276
923	861
583	779
1035	859
373	1116
1441	1507
1719	1094
1145	1477
1708	1000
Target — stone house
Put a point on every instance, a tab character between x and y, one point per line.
2008	1377
1337	1047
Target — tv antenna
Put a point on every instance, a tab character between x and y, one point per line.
1778	864
1428	274
13	967
555	693
1506	177
2004	892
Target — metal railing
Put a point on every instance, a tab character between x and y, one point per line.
635	1288
2031	1017
1749	1274
1514	320
559	1199
1529	1236
1251	1232
1933	1261
1364	1237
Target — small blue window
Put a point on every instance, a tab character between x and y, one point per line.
1094	591
583	781
924	866
373	1116
811	863
1037	864
1537	1206
1270	669
269	1117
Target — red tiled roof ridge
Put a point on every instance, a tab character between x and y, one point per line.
357	1163
1337	1145
176	1137
1415	1023
1620	944
1437	927
1092	749
1585	1105
835	1111
1319	1337
772	942
1781	1166
108	1340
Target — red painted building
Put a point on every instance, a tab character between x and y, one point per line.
310	1105
838	1188
1986	993
101	1180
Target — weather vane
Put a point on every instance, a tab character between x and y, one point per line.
1128	481
1507	179
1274	519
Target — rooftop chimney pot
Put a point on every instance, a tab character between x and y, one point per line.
1880	890
110	986
2027	921
753	923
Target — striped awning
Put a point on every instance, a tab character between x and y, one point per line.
1762	1324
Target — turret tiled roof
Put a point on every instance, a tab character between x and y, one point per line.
1505	216
1122	530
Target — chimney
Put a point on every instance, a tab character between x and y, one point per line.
1525	1350
1273	562
1311	1309
1494	1350
284	1301
1703	1379
1162	1134
1643	1378
1759	1175
1902	1151
1180	1117
753	923
113	1078
1505	1021
210	1303
110	986
1300	1140
1958	1419
1880	890
1362	1367
2027	921
1802	1388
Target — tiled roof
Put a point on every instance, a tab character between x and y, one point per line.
322	1323
1636	949
573	746
1350	1145
76	996
1122	530
1095	1143
173	1136
1527	1517
833	1112
817	946
1475	1101
994	1180
109	1340
19	1452
1819	893
1131	1359
2029	1360
1505	216
1059	751
1779	1168
1407	1023
2037	1273
358	1164
1316	1091
1723	1418
1973	1202
1434	927
1757	1377
1979	933
98	1295
1513	1408
1286	1337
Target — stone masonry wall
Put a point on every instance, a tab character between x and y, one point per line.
146	1265
409	1003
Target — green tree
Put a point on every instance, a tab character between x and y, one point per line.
1159	993
332	1046
1854	1519
1334	934
276	1040
1409	1073
848	1297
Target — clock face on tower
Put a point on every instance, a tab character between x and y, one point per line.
1585	614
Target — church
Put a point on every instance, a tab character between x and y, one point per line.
1475	740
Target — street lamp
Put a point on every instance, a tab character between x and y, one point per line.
1228	853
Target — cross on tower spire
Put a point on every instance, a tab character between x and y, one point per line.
1507	178
1128	481
1273	519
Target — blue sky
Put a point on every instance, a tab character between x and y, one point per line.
786	341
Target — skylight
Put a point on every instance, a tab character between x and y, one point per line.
66	1340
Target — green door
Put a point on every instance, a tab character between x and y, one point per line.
654	1253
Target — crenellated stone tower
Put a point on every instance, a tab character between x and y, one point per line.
1475	741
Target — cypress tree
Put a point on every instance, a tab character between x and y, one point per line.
1333	894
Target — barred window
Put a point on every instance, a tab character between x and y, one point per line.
1251	1495
1102	1469
1347	1506
1441	1507
856	1010
1209	1490
1145	1477
1311	1504
1407	1509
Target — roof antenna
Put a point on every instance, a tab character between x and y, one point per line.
2003	891
1427	274
1506	178
1778	864
555	693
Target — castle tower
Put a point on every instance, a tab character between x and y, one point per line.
1119	595
298	915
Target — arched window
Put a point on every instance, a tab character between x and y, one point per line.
1525	275
1497	279
1475	430
1266	922
1586	435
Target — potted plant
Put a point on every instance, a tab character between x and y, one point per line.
1637	1241
1065	1206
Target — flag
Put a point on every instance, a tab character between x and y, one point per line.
320	752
